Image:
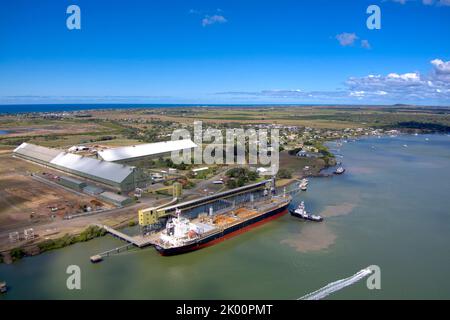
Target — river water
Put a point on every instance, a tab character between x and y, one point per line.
391	208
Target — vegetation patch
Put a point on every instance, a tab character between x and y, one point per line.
88	234
426	127
284	174
17	254
238	177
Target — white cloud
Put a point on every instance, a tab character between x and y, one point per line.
411	87
209	20
346	39
438	3
404	77
407	86
440	66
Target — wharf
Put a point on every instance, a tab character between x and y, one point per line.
139	240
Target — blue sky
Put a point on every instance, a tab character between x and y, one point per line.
230	51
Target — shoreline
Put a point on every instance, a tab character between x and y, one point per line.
41	245
32	249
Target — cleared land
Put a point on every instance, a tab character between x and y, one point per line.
25	201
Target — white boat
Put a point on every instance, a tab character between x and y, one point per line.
339	170
3	287
303	184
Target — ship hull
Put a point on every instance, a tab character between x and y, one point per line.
225	234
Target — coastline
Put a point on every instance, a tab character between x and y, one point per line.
319	170
41	245
305	252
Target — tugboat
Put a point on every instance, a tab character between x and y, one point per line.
301	213
339	170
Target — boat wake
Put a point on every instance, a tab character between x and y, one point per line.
336	285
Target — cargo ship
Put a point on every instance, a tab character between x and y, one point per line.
182	235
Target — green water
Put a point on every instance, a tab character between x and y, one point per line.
391	208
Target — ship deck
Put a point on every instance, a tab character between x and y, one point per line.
230	217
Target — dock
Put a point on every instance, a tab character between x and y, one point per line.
133	241
99	257
219	203
138	241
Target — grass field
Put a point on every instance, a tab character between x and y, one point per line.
316	117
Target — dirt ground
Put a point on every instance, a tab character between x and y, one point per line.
24	200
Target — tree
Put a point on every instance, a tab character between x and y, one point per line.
240	176
284	174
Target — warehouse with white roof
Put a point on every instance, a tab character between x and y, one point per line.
143	151
36	153
117	176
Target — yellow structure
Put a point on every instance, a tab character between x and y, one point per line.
150	216
176	189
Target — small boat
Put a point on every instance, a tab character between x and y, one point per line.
301	213
97	258
3	287
339	170
304	184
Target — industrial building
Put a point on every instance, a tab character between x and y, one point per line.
115	199
72	183
117	176
145	151
36	153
